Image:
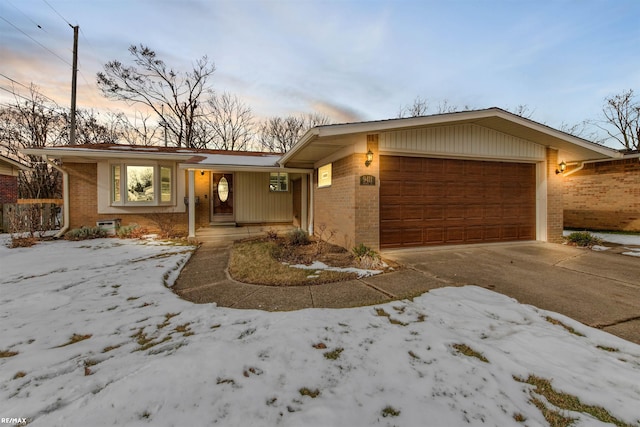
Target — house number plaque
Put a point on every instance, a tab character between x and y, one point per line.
367	180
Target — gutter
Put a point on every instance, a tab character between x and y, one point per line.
65	196
582	164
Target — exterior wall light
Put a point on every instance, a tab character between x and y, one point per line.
561	168
201	172
369	158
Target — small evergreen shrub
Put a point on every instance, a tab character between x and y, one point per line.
583	239
298	237
361	250
85	233
367	258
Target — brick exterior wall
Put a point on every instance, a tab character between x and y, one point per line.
334	206
348	208
8	189
604	196
83	206
555	183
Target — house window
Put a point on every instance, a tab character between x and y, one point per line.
115	183
278	181
324	176
141	184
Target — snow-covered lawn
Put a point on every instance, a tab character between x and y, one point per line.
620	239
100	341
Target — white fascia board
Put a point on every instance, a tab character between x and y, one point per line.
240	168
58	153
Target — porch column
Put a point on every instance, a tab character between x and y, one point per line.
192	205
304	220
311	203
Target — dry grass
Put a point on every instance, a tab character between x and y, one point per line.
559	323
252	262
75	338
468	351
7	353
333	355
565	401
312	393
390	411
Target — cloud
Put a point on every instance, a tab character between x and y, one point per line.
338	113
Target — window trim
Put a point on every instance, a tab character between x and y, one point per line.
285	175
157	183
329	167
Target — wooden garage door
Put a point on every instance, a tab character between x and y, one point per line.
446	201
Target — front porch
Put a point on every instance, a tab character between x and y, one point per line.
230	233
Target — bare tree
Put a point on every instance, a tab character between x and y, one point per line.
420	107
622	119
228	125
279	134
175	97
141	132
31	122
91	130
522	110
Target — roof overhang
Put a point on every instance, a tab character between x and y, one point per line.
80	154
324	141
13	164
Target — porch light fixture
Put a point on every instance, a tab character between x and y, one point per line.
561	168
369	158
201	172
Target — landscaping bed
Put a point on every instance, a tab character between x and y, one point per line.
281	260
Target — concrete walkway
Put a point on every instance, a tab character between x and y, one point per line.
598	289
205	279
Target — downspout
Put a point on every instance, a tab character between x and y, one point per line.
65	196
311	209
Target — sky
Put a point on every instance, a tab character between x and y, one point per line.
142	356
350	60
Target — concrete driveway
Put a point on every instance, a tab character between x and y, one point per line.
599	289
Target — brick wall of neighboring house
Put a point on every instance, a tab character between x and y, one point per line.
83	204
8	189
555	199
348	208
604	196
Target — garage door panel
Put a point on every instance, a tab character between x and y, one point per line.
455	235
390	212
445	201
411	236
412	212
474	234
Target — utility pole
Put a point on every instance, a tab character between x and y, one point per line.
74	78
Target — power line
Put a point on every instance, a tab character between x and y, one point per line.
27	16
57	13
27	99
27	87
36	41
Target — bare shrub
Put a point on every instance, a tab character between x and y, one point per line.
166	223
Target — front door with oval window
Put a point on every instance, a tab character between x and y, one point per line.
222	197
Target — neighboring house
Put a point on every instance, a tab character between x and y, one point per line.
467	177
9	171
603	195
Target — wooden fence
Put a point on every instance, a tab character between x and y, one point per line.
31	215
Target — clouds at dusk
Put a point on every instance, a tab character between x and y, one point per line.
350	60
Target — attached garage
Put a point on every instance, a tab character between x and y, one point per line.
458	178
432	201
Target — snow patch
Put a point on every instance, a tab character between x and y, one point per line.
319	266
